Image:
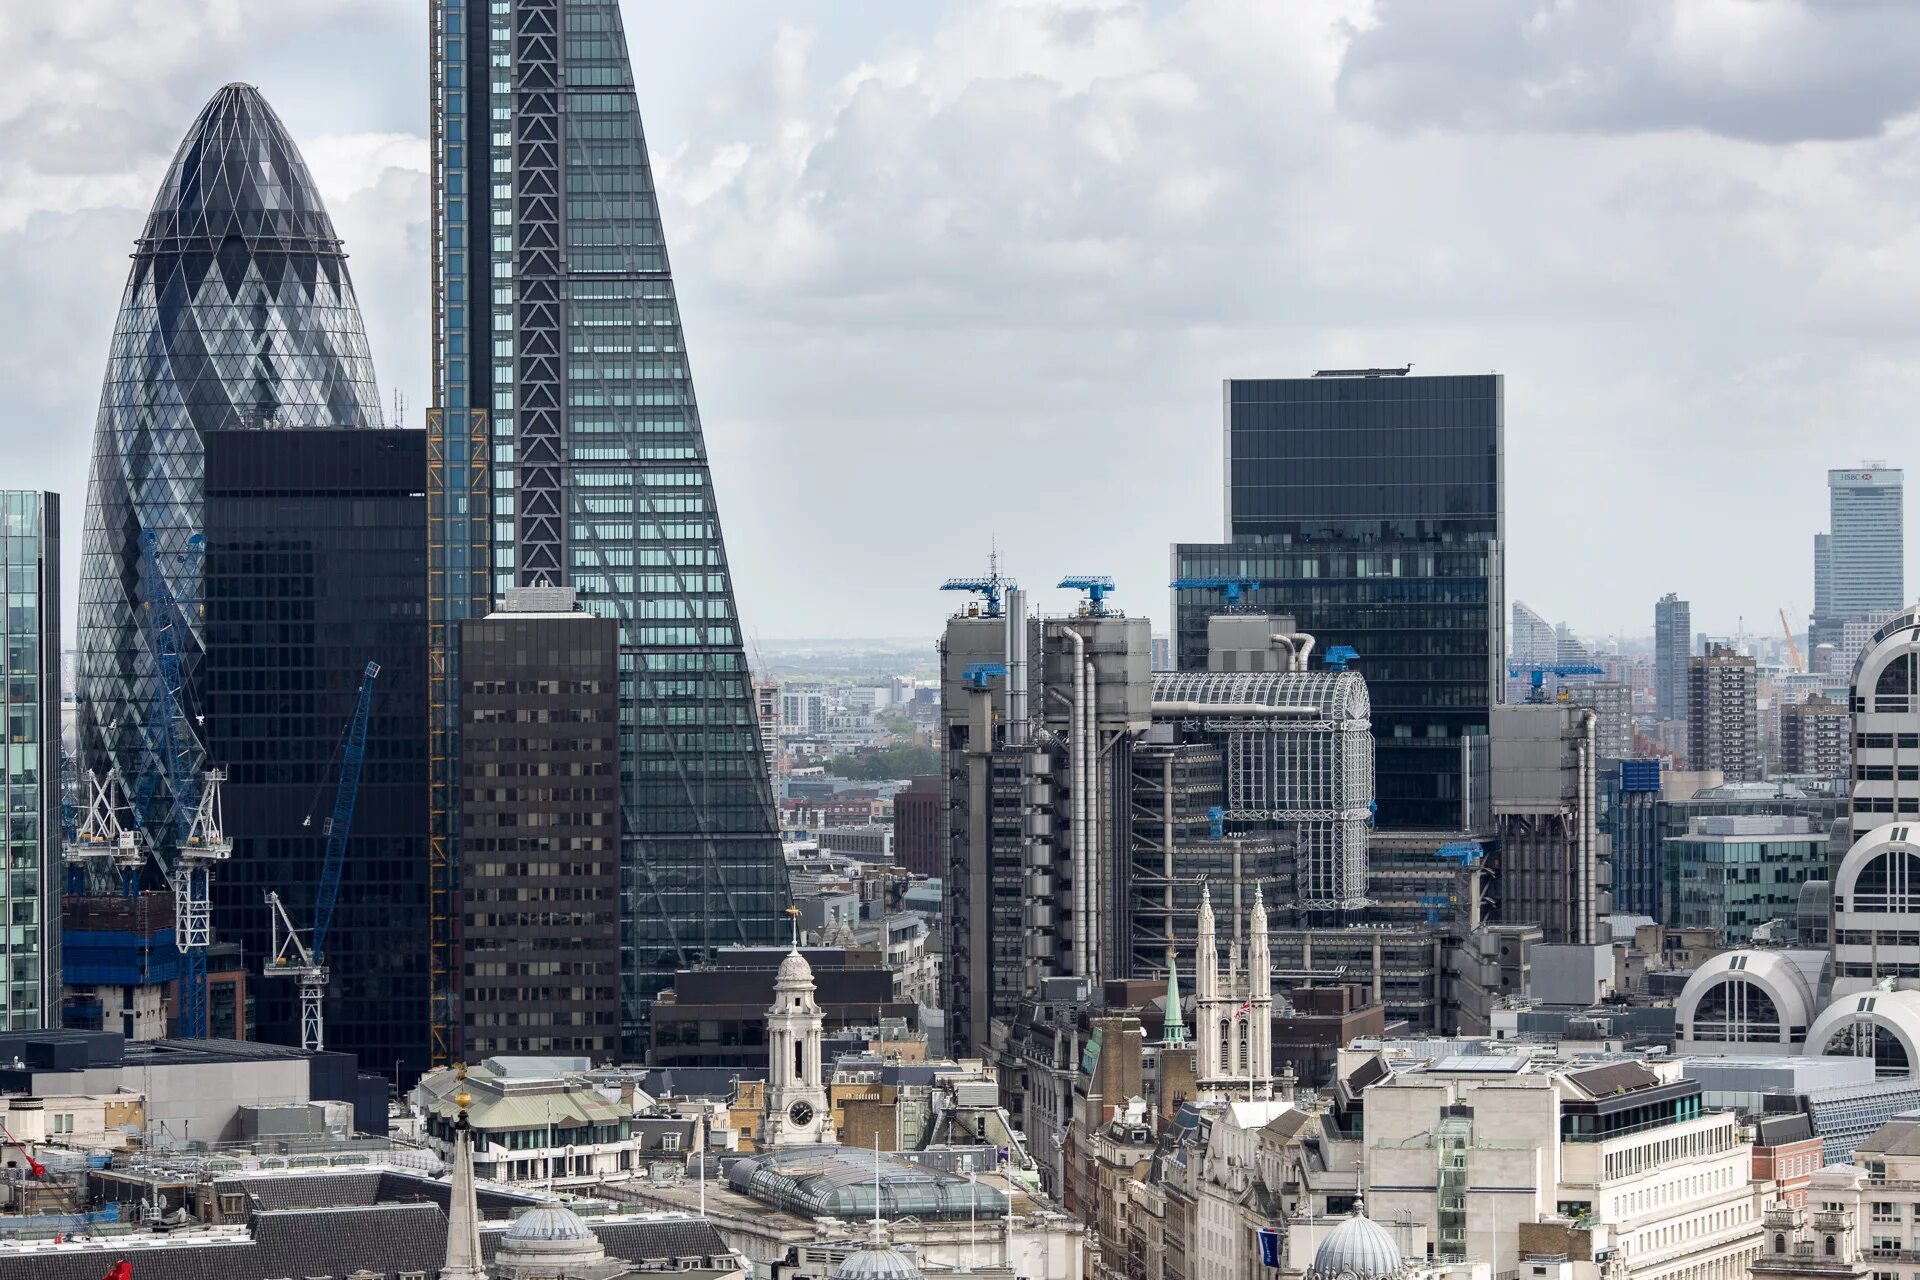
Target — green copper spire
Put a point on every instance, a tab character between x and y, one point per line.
1175	1030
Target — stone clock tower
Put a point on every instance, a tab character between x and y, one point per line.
797	1110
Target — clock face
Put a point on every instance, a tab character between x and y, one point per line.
801	1113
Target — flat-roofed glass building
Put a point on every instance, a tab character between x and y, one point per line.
1370	506
316	565
30	762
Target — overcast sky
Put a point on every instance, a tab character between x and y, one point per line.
974	270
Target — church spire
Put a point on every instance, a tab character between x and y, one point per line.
463	1205
1175	1022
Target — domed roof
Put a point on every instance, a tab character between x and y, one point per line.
549	1224
877	1261
1357	1249
238	173
793	970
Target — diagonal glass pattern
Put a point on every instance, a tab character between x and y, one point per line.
238	312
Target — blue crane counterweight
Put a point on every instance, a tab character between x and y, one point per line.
1231	589
977	674
1096	586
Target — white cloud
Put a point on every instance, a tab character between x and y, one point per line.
983	278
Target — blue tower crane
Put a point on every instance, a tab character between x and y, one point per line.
1338	656
1231	589
1096	586
307	961
1540	671
1467	853
977	674
988	588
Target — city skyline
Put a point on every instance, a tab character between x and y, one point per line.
791	282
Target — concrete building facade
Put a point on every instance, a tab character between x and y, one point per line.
1723	722
539	829
1553	858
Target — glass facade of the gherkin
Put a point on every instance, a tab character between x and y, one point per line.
558	334
238	312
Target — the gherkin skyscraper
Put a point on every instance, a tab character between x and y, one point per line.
238	313
565	448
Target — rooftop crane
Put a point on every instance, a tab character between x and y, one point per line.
1095	586
978	674
307	961
1541	670
38	1171
1793	650
102	839
200	837
1338	656
34	1167
1231	589
988	588
1467	853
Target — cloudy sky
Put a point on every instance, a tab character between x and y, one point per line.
970	270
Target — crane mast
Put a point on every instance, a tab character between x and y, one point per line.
306	961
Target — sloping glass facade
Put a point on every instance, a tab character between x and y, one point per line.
238	313
557	320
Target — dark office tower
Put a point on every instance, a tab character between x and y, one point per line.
316	566
539	905
1672	645
567	450
238	312
30	761
1369	505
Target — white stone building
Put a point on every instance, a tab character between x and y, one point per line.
1469	1150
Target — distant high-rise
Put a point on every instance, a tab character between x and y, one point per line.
238	312
1722	716
30	763
1816	738
1868	546
1822	575
1534	641
1860	567
1369	505
1672	644
565	448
